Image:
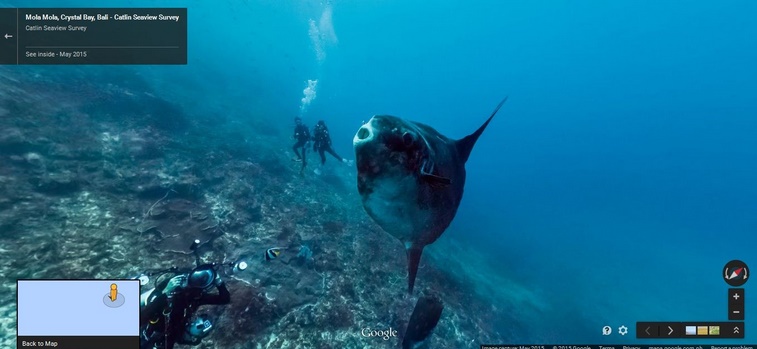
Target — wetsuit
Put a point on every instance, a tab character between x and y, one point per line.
302	136
183	305
322	142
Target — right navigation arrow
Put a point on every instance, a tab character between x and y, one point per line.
671	330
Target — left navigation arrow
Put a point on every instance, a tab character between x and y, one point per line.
8	36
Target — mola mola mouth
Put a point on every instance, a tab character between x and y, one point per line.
411	179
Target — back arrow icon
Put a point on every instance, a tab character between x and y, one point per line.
8	36
647	331
671	330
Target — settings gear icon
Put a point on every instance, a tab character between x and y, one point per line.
623	330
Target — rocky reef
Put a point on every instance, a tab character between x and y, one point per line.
120	174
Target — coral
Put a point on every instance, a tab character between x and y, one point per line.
332	227
339	316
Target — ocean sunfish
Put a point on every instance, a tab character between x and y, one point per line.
411	179
425	316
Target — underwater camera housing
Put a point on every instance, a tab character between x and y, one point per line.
194	245
239	266
197	329
182	276
202	277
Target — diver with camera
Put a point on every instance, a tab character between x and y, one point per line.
168	312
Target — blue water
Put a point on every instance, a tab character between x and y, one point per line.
615	183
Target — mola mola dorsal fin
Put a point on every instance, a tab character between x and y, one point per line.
465	145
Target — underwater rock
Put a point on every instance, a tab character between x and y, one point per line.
328	262
151	191
253	313
167	116
146	150
29	160
347	289
214	178
61	152
187	188
333	227
5	203
236	145
61	183
287	231
339	316
152	188
14	141
255	213
33	158
110	171
273	165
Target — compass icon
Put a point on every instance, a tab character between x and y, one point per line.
735	273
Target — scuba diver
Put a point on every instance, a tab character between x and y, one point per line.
302	137
167	315
322	143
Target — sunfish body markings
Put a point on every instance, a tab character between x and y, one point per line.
411	179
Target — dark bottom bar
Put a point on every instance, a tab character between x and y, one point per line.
619	346
78	342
